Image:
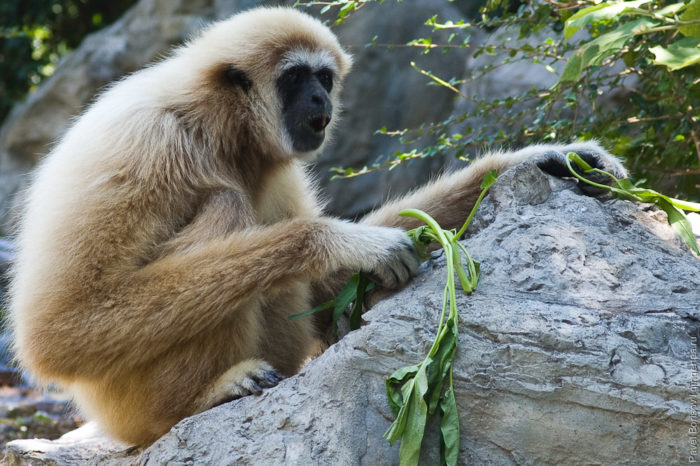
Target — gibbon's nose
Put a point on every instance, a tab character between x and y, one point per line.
317	99
319	109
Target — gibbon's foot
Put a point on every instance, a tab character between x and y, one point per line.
399	266
253	384
246	378
553	161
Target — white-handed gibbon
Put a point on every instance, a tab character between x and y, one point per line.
170	234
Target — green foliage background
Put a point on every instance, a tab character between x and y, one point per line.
35	34
643	52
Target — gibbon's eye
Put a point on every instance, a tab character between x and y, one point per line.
294	76
238	77
325	77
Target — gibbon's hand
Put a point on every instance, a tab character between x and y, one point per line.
553	162
389	256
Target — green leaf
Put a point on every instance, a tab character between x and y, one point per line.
627	190
489	179
449	428
397	428
691	13
626	184
415	422
414	392
473	267
685	205
461	273
597	13
421	241
319	308
347	295
442	363
395	383
364	284
680	223
594	52
679	54
670	10
579	161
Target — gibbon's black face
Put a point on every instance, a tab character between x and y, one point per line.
306	106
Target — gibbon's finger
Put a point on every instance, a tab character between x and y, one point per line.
597	157
398	270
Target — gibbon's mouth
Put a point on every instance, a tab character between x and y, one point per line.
309	133
318	124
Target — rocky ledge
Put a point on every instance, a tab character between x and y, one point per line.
575	348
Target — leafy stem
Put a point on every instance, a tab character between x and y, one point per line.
415	392
625	189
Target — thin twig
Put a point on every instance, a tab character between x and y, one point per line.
696	140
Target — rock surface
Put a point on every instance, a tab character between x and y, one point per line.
575	348
383	90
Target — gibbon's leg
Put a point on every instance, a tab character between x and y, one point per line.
282	346
140	403
286	343
248	377
451	197
199	288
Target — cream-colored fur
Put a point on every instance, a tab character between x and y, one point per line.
171	233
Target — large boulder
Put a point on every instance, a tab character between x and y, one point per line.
576	347
383	90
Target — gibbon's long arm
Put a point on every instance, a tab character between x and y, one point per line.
160	305
451	197
223	212
449	200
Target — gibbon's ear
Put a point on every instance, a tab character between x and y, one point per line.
237	77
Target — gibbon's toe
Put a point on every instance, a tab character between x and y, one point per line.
251	385
251	382
270	378
597	157
553	162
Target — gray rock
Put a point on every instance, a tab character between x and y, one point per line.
383	90
7	254
575	348
8	374
85	445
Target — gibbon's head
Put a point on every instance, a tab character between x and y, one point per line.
273	74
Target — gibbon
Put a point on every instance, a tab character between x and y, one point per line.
169	235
